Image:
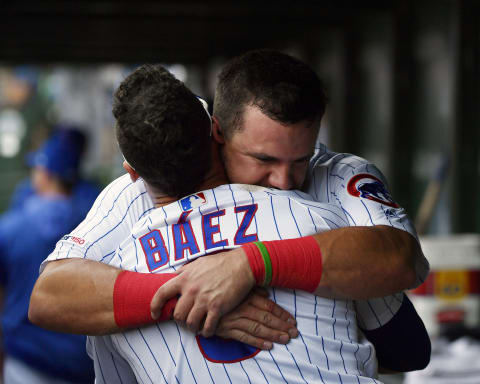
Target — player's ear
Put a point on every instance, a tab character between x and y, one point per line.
217	131
133	174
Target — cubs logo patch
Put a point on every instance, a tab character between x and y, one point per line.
193	201
370	187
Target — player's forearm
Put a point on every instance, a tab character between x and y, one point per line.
87	297
353	262
75	296
366	262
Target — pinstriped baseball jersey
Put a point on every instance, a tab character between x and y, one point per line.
360	190
123	203
348	181
328	349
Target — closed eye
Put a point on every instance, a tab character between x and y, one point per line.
264	158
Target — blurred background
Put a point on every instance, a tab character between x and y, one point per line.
403	78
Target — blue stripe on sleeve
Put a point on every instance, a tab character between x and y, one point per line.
123	218
109	211
374	313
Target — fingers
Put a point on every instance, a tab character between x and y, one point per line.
196	320
257	342
183	308
167	291
253	333
271	321
250	324
266	305
211	322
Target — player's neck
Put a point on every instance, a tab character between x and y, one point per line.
213	180
216	175
158	199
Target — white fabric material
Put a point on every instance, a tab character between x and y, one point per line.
122	203
329	347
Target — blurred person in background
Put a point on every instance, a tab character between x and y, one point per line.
51	204
84	192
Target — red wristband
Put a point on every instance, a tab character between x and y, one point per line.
295	263
256	262
132	295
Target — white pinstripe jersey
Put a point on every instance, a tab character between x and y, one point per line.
328	349
339	179
122	203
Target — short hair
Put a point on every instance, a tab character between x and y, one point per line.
283	88
163	130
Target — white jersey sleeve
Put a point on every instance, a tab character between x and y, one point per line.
375	313
361	191
120	205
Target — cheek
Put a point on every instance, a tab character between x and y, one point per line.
299	174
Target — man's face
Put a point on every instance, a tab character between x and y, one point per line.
265	152
40	180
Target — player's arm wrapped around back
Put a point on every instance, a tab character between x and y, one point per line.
397	332
132	295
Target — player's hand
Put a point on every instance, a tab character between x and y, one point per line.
209	287
258	322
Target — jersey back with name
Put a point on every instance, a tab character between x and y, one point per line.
326	351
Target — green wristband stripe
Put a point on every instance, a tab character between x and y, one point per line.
266	260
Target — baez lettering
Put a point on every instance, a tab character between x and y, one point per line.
184	239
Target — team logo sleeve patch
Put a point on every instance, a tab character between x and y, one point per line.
370	187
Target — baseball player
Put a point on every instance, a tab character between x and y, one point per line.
27	234
208	221
328	349
388	246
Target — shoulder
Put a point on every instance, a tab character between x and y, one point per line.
330	172
120	194
123	184
337	163
319	212
358	187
